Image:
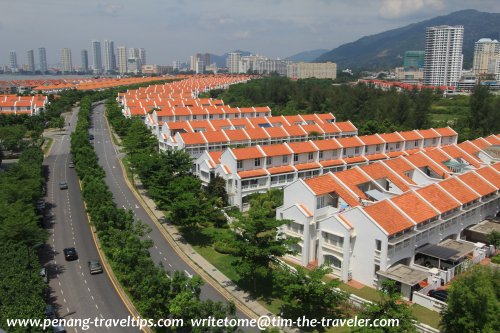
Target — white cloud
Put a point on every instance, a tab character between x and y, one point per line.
111	8
400	8
241	35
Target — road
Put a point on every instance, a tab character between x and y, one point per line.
162	252
73	291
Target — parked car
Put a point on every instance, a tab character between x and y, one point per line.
44	274
63	185
71	164
95	267
40	205
91	136
441	295
50	313
70	253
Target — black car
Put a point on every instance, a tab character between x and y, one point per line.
70	253
91	136
63	185
50	313
441	295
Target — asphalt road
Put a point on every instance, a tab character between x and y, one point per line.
162	252
74	293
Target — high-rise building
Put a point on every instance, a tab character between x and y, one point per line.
443	55
176	65
413	60
31	61
42	56
486	55
142	55
303	70
133	65
13	61
122	59
96	56
135	53
233	62
109	56
85	60
207	59
66	61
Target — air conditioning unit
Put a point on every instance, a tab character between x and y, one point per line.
349	276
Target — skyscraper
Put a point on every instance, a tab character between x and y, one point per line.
42	55
96	56
13	61
85	60
31	61
66	61
486	55
233	62
443	55
142	55
122	59
109	56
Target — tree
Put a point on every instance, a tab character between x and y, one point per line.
216	188
390	306
256	242
473	302
480	107
305	294
494	238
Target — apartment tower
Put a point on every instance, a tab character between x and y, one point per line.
443	55
85	60
42	57
31	61
486	55
66	60
122	59
96	56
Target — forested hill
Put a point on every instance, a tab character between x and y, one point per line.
385	50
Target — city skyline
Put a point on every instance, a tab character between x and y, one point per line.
283	29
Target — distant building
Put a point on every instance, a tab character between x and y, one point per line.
156	69
270	66
413	60
66	60
85	60
409	75
142	55
133	65
96	57
109	56
303	70
13	61
42	55
176	65
443	55
122	59
486	56
31	61
199	67
233	62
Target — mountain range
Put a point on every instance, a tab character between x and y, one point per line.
386	49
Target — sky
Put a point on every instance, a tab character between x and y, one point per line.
175	29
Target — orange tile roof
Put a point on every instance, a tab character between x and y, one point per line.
381	171
468	147
350	142
329	128
295	130
355	159
438	198
237	135
369	140
410	135
257	133
276	150
458	190
252	173
391	137
496	166
481	143
195	138
304	208
376	157
387	217
396	153
328	144
307	166
280	169
215	155
346	126
310	129
276	132
327	184
351	178
493	140
446	131
456	153
477	183
490	175
414	207
421	160
429	133
400	166
302	147
325	117
247	153
329	163
215	136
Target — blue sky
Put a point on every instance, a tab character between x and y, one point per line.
175	29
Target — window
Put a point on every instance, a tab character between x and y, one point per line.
320	154
239	164
344	152
386	146
285	159
397	145
356	150
257	162
377	148
295	157
310	156
333	239
320	202
269	160
378	244
416	143
332	261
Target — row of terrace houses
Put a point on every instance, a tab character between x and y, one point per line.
16	105
262	167
383	219
184	93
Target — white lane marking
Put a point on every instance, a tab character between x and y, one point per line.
88	289
62	292
67	309
85	281
164	258
187	273
65	300
96	307
170	265
92	297
59	283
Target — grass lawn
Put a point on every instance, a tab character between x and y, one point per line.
425	315
47	144
365	292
